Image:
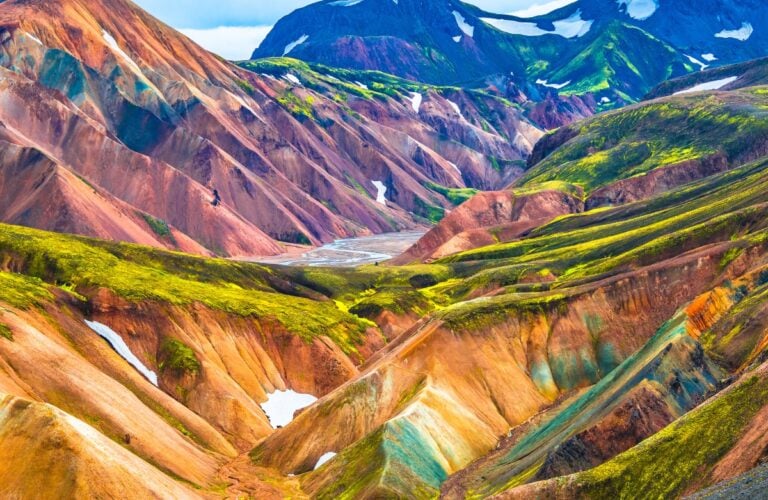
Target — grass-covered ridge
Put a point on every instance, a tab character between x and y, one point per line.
540	272
137	273
648	136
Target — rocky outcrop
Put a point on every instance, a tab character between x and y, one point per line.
657	181
488	218
643	413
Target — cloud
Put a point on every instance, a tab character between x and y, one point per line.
230	42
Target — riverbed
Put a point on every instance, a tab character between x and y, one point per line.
351	252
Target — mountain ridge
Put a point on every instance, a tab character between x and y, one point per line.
439	38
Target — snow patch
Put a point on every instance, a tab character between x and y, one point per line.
455	107
709	57
33	38
120	52
700	64
345	3
292	78
382	191
281	405
119	345
571	27
457	39
465	27
541	9
640	9
361	85
742	34
323	459
416	100
713	85
605	100
556	86
515	27
294	44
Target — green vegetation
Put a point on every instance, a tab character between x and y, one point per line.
300	108
178	357
6	332
159	227
612	61
561	186
22	291
137	273
432	213
246	86
634	141
457	196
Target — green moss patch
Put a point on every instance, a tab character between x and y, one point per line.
6	332
178	357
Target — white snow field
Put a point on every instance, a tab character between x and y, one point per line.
281	405
713	85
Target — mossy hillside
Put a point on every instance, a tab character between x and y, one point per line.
457	196
622	57
570	251
401	289
634	141
583	238
730	209
681	455
138	274
564	187
22	291
332	81
737	340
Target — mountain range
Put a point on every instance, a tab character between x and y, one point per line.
132	127
616	50
585	317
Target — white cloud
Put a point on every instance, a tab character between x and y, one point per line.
230	42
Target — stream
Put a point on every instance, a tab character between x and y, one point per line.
351	252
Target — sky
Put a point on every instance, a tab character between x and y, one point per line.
234	28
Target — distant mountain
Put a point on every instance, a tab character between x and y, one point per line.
730	77
617	49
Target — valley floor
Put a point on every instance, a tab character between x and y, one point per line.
350	252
